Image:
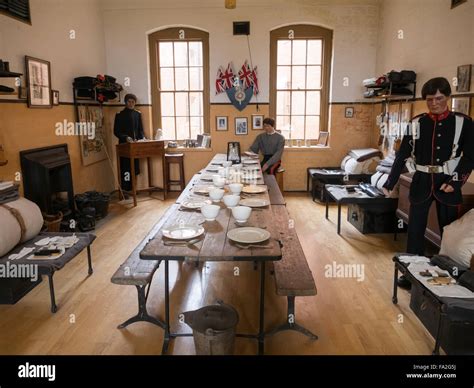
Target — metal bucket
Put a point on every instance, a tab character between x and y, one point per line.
214	329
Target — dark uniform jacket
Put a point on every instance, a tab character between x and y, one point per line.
128	123
433	147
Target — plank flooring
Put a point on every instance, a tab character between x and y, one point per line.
349	316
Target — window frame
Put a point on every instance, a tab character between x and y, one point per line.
304	32
173	35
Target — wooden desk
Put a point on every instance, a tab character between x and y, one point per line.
432	232
137	150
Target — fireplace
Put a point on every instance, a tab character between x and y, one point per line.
47	179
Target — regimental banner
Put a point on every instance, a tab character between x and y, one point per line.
240	87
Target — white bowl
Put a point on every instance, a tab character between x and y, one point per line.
220	182
210	212
216	194
231	200
227	163
236	188
241	213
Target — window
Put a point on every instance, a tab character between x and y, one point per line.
300	60
179	59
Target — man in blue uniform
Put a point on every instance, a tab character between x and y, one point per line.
128	127
439	148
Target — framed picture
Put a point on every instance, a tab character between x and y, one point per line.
455	3
55	97
221	123
464	78
38	81
349	112
241	126
461	104
257	121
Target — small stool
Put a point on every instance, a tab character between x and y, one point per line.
179	159
279	178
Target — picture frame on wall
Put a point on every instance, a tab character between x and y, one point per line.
349	112
55	97
38	81
461	105
241	126
221	123
257	122
464	78
22	92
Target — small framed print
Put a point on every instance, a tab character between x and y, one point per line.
38	81
241	126
257	121
461	105
55	97
464	78
349	112
221	123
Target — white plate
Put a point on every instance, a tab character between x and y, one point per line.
212	169
252	168
202	190
183	232
254	189
195	203
248	235
251	161
254	202
216	163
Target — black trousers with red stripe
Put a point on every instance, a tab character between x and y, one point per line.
273	168
419	219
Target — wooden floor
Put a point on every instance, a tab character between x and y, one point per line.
349	316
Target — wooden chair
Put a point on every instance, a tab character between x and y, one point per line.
178	159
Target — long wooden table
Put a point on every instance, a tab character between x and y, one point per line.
215	246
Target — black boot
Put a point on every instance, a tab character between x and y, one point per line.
404	283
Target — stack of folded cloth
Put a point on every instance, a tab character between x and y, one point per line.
8	192
386	164
381	175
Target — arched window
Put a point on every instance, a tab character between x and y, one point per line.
179	63
300	70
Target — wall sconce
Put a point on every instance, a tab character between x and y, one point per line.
230	4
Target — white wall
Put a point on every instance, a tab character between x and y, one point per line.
355	24
48	38
436	38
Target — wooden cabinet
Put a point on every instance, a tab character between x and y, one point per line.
432	232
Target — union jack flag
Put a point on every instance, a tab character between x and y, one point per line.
228	77
255	81
245	74
220	81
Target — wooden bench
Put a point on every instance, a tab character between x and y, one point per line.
293	276
139	273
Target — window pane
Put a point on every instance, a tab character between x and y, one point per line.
298	77
283	103
283	77
181	77
182	127
195	78
297	127
196	126
166	54
180	53
297	103
283	124
284	52
167	104
195	104
312	127
313	103
167	124
314	52
182	108
195	53
166	78
313	77
299	52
